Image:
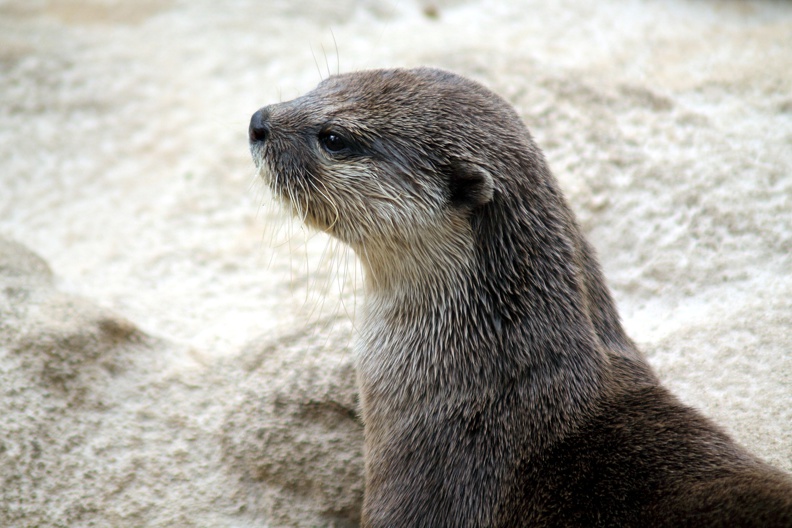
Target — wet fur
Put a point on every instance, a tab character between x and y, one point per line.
497	385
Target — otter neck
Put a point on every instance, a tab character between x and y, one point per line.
486	318
409	268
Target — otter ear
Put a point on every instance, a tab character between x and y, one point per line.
470	184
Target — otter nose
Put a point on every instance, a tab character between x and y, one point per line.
259	126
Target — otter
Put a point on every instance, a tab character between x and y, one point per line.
497	385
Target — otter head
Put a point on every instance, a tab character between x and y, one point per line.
392	162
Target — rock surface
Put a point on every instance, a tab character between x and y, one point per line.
172	354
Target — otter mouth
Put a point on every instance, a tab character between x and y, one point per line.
258	151
287	190
263	169
281	193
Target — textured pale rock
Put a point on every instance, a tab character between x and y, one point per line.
178	369
102	424
292	431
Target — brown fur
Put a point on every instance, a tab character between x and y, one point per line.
497	385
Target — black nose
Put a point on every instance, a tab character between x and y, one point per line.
259	126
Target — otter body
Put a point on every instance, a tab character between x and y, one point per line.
497	385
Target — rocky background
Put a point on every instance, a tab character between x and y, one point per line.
173	354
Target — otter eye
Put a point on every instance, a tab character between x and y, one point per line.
332	142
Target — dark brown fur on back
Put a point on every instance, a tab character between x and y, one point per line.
497	385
